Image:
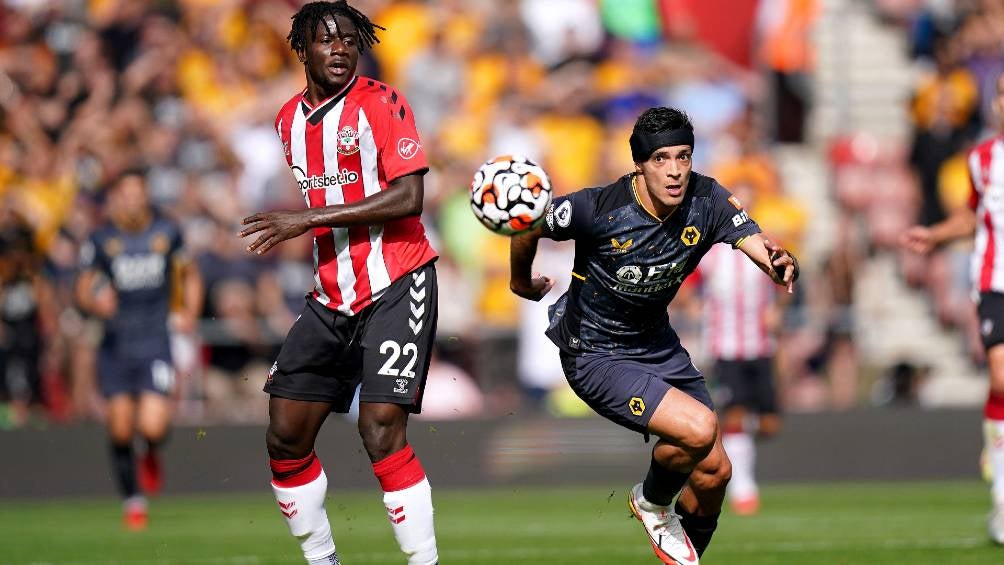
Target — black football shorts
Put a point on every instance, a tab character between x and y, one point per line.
387	347
747	383
991	313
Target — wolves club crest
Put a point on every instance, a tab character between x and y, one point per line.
348	141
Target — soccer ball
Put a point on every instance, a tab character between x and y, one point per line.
510	194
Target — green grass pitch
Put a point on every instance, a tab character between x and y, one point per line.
798	524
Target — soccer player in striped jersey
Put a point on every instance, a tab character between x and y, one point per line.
741	313
353	148
636	240
984	217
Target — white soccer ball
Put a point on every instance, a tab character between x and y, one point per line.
510	194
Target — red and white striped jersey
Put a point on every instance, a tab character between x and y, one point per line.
348	147
737	296
986	174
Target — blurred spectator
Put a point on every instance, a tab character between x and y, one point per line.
238	359
944	110
27	322
633	20
562	29
434	81
899	386
787	52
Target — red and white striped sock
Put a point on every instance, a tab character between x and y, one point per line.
993	430
407	496
300	486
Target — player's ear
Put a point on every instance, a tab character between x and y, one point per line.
301	56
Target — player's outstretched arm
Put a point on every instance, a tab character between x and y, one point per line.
922	239
777	262
522	250
402	198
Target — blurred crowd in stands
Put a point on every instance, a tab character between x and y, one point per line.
188	89
957	49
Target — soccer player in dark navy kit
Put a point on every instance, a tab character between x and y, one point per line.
635	242
130	269
370	321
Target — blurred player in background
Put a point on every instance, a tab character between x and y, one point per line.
740	317
27	319
354	150
636	241
133	270
984	217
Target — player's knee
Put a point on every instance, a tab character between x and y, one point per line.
284	442
382	435
153	432
700	437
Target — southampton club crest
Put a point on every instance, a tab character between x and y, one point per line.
348	141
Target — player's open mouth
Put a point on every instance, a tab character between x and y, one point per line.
674	190
338	68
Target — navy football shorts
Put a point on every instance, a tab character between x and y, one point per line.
118	374
747	383
627	390
387	347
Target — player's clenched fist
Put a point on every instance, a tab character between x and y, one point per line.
537	288
784	264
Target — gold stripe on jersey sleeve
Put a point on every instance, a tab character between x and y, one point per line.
578	276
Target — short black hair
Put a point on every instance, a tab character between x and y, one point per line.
306	19
131	171
655	120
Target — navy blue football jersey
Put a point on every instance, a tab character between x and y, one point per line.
629	265
139	266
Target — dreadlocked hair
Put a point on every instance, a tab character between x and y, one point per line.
305	24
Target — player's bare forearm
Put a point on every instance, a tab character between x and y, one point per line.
193	294
522	250
778	263
403	197
960	224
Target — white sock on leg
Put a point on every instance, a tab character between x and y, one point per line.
301	501
408	499
994	438
742	452
410	513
